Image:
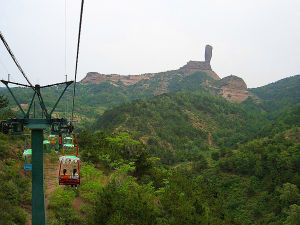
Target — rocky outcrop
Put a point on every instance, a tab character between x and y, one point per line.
208	53
196	65
201	66
233	88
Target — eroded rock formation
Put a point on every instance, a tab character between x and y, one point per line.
208	53
201	66
233	88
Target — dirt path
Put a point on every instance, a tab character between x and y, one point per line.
28	210
51	167
50	180
78	202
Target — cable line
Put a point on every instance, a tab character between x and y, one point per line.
20	68
65	37
78	43
66	108
14	58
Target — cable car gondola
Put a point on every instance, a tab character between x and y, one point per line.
27	159
46	144
64	178
68	145
27	155
52	139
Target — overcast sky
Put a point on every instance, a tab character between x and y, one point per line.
257	40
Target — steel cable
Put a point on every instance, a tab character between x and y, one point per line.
76	66
14	59
18	65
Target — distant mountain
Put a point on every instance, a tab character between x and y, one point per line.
232	88
188	69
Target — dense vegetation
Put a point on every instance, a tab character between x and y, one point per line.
284	120
280	94
15	193
178	158
178	127
256	183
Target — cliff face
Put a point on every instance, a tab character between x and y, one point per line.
233	88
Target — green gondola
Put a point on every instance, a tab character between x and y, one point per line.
47	147
68	145
27	159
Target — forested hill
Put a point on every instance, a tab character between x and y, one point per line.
15	191
283	93
180	126
256	182
93	99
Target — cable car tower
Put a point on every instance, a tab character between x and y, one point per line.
37	127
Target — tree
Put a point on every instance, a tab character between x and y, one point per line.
293	217
289	194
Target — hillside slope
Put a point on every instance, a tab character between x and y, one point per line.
15	185
280	94
180	126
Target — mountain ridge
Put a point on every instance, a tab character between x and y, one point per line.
232	88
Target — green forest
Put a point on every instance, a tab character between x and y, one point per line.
183	157
178	127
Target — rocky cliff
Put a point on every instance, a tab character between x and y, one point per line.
233	88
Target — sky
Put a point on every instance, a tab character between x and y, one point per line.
257	40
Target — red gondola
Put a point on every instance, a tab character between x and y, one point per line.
64	178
